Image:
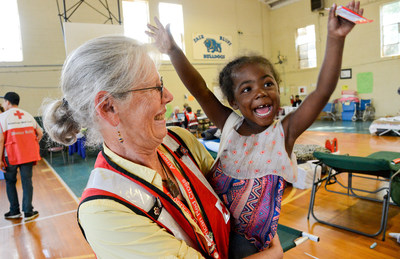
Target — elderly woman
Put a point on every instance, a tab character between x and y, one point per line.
147	196
174	114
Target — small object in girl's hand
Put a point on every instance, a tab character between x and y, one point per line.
348	14
373	245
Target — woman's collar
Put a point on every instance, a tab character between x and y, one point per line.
141	171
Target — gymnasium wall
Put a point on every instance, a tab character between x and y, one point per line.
251	24
361	53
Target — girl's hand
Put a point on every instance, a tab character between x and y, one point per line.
338	26
162	36
274	251
276	247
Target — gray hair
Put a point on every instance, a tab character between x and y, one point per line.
111	63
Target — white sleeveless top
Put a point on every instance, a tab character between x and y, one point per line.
257	155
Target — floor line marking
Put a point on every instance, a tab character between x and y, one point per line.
39	219
59	189
290	195
62	182
295	197
311	255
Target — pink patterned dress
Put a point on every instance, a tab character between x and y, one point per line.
250	179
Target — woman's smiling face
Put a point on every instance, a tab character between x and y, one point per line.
256	95
142	115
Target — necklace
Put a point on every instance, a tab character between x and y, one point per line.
170	184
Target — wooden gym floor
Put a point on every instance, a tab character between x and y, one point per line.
55	233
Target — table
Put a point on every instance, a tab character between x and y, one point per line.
204	122
78	146
174	122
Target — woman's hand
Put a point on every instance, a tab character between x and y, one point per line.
274	251
2	167
162	36
338	26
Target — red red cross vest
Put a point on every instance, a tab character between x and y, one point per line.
20	141
192	119
108	179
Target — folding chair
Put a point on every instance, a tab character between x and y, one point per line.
378	164
330	111
55	147
194	129
367	111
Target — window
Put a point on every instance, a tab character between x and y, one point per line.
173	14
305	45
136	17
390	30
10	32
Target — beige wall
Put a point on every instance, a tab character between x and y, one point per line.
264	31
227	17
361	54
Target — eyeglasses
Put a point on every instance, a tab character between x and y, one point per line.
159	88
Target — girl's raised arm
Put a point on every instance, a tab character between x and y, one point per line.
191	78
297	122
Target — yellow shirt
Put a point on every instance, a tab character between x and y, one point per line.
115	231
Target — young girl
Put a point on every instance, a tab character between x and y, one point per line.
255	156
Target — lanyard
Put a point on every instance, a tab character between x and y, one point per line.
197	213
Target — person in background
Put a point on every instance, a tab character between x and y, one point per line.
255	157
191	121
175	119
19	148
185	105
1	109
174	114
138	202
297	101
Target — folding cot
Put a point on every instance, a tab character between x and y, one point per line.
372	167
290	237
385	125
